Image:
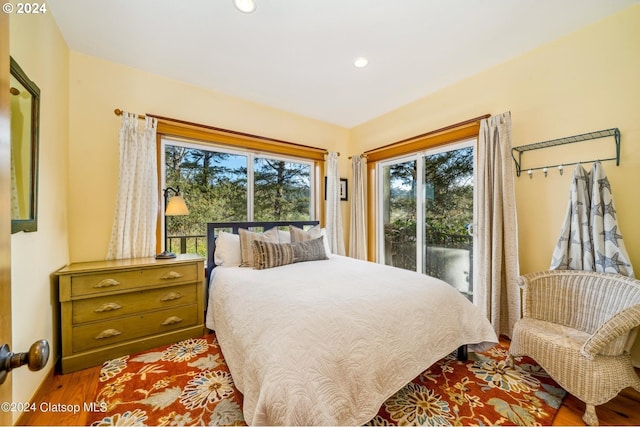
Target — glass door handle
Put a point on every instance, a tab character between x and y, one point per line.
36	358
470	229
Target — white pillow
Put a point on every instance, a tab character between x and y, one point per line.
325	240
284	236
299	235
228	251
246	239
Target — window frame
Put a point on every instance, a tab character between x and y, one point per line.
251	157
454	133
418	157
234	140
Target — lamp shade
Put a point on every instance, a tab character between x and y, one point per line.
176	206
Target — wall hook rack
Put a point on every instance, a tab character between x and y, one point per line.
615	132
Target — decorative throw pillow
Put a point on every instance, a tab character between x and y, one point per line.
247	237
300	235
270	254
227	251
311	250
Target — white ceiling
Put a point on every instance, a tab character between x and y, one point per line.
296	55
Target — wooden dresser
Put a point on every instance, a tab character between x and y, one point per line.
112	308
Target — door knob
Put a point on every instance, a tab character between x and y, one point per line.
36	358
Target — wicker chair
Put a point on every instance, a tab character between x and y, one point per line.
579	326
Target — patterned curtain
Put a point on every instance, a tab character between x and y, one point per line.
496	291
590	239
358	227
333	212
133	234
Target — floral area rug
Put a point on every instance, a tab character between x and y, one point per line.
188	383
482	391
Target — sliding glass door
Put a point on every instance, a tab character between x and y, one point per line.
426	213
399	214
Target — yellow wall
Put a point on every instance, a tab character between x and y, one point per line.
38	47
98	87
584	82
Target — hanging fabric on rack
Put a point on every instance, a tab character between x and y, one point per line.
590	239
574	250
608	246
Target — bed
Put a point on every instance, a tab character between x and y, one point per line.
326	342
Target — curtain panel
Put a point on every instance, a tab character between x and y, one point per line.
358	223
497	265
133	234
333	215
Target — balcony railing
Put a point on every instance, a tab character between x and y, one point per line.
189	244
446	256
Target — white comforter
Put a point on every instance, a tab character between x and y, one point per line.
327	342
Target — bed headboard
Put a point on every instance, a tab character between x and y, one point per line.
213	228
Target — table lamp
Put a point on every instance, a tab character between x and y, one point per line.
173	206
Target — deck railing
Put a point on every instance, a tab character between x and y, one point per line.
192	244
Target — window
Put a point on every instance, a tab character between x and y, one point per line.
222	184
426	211
282	190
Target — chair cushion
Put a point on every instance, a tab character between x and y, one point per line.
560	335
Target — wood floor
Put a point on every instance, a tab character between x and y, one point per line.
78	388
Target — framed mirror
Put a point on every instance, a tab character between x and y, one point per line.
25	124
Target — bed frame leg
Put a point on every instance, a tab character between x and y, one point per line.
463	353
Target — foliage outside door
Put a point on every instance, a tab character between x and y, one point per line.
426	213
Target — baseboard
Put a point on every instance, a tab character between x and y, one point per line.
39	391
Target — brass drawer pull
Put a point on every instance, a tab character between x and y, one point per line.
171	296
171	275
109	306
171	320
105	283
107	333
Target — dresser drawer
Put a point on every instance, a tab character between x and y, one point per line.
92	335
88	284
116	305
110	308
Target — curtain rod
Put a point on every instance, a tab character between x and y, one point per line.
433	132
118	112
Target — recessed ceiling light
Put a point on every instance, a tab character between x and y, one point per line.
246	6
360	62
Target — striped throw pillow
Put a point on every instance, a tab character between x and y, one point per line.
270	255
310	250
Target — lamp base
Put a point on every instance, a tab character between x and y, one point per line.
165	255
